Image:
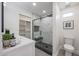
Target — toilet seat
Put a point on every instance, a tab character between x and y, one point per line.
68	47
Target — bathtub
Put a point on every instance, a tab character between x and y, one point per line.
25	47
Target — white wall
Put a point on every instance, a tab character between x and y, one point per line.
12	17
57	29
0	32
46	29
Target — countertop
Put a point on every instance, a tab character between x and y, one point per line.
22	41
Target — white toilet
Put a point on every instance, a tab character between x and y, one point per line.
68	46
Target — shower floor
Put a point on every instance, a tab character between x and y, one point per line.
39	52
47	48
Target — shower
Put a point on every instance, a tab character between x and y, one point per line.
42	33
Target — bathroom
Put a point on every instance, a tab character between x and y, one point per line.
41	28
66	13
19	19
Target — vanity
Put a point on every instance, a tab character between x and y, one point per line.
24	47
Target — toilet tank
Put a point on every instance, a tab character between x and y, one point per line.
68	40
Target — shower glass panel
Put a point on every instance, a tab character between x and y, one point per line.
36	29
42	34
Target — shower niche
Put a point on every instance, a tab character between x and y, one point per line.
36	28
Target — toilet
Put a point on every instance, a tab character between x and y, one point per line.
68	46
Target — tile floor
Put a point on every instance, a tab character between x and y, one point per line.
39	52
62	53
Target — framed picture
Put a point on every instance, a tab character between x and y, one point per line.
68	24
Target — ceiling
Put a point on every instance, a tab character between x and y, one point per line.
37	10
64	5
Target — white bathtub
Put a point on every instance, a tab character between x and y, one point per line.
26	47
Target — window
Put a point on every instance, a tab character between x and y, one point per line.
25	26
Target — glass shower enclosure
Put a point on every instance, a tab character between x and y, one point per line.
42	33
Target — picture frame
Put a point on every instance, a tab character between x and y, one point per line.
69	24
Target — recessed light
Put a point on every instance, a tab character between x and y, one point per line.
5	3
44	11
68	15
34	4
67	3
